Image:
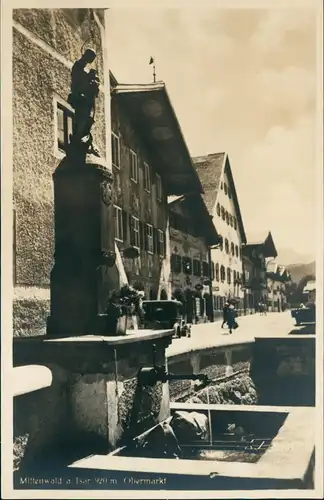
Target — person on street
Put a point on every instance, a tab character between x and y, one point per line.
225	310
231	318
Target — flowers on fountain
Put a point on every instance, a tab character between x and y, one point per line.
126	301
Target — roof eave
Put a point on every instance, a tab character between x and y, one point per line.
187	168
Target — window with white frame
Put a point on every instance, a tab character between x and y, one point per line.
147	178
161	242
64	120
158	187
135	232
118	216
134	166
115	150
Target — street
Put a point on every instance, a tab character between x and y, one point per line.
211	334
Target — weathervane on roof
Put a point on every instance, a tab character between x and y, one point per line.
152	61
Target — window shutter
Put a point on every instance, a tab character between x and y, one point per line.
164	244
131	231
124	216
142	235
155	241
145	238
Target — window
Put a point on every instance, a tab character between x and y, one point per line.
149	237
212	267
158	187
135	233
221	244
115	150
205	269
240	252
161	249
223	213
65	119
118	216
236	251
226	245
235	223
225	188
232	249
234	277
229	273
196	267
222	273
186	265
134	166
147	178
218	209
227	217
217	272
231	220
176	263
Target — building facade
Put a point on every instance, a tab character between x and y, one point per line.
257	252
136	132
192	232
147	149
249	305
277	279
221	199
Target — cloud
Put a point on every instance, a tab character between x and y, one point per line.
293	89
241	81
271	31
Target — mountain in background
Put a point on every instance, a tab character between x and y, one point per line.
298	271
288	256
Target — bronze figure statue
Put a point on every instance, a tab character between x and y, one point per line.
84	91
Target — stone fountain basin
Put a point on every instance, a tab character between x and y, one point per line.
285	463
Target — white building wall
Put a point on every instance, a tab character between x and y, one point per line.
233	236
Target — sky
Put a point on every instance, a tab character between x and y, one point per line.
241	81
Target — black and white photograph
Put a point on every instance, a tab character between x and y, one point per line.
162	226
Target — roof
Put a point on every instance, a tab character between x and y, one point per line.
269	249
195	205
210	169
152	115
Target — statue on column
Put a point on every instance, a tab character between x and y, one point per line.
84	91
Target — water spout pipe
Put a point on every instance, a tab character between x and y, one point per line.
150	375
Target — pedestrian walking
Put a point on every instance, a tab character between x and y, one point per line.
225	310
231	318
262	309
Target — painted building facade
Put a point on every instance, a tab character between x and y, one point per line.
277	279
220	196
257	252
192	232
150	162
